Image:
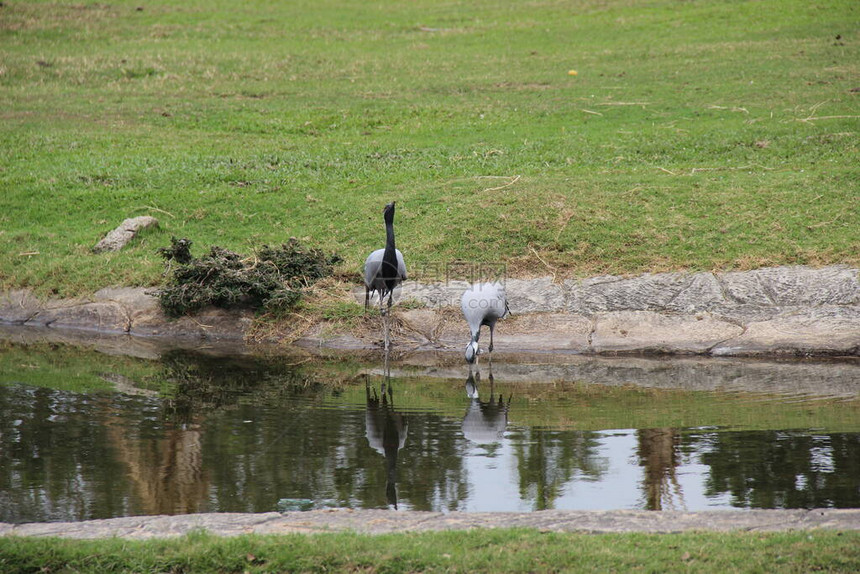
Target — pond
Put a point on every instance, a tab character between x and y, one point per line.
91	434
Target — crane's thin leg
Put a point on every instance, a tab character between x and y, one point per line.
366	299
387	313
385	335
491	338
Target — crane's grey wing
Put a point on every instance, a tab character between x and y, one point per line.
401	265
465	301
472	309
503	301
371	268
492	302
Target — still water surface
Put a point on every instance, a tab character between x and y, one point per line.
196	433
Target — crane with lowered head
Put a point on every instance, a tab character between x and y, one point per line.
483	304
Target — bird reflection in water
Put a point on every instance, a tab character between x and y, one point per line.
485	421
386	429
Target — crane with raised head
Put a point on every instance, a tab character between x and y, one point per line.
384	270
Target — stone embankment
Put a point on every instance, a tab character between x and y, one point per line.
795	311
386	521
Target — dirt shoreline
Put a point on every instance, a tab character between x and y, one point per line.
773	312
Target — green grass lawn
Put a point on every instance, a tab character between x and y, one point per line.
694	135
474	551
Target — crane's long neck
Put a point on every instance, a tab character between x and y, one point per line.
389	256
475	329
389	237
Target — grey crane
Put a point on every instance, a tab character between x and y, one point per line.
482	304
384	269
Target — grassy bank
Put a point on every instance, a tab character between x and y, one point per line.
694	135
474	551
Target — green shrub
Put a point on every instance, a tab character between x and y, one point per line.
272	280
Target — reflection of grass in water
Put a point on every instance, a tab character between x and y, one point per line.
195	383
582	406
560	405
75	369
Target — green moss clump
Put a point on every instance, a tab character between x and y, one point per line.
272	280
